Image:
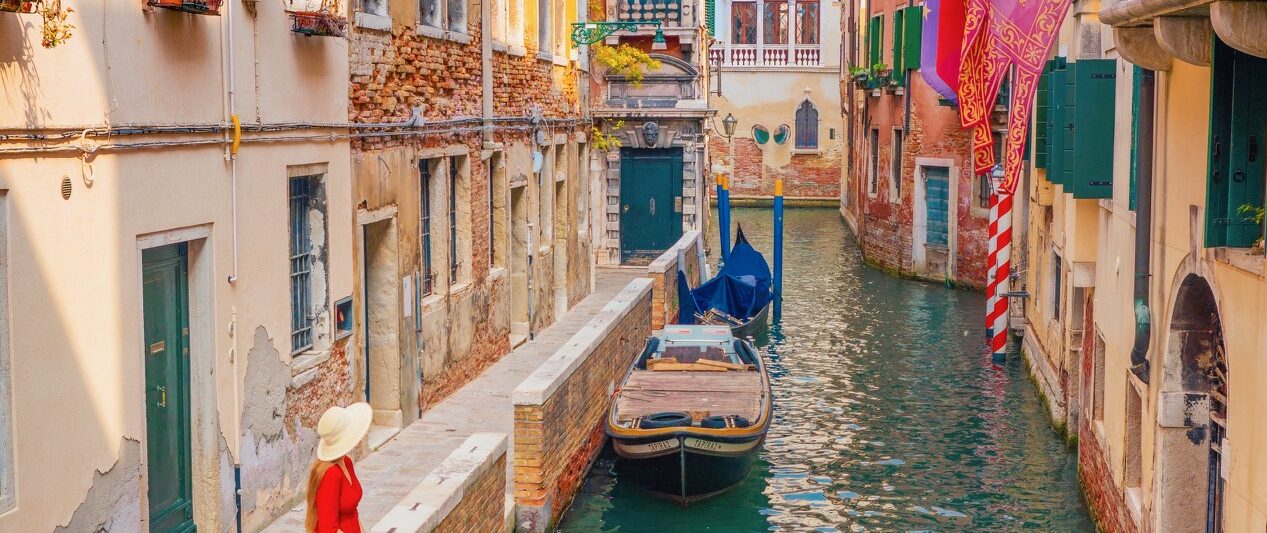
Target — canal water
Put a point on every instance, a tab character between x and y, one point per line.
889	414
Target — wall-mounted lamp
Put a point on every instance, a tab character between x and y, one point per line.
728	124
584	33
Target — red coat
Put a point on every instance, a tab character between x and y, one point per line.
337	498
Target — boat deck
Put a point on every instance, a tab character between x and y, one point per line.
704	393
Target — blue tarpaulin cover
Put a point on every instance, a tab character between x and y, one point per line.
686	304
741	289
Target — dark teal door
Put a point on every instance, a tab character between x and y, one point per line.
937	204
650	201
166	317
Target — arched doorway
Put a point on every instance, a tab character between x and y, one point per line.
1192	421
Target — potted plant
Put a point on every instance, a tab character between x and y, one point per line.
17	6
859	74
197	7
325	19
881	70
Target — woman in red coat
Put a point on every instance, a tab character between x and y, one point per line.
333	490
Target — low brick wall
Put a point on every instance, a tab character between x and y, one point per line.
684	255
560	408
467	492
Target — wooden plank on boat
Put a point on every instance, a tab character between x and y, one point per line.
719	393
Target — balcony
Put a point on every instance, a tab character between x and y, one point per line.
672	13
766	55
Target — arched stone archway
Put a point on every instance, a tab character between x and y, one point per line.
1191	414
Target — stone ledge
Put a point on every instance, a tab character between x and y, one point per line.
670	256
555	371
431	501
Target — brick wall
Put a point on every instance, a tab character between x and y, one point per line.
886	223
466	493
805	176
683	255
560	408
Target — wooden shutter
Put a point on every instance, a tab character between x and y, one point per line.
1042	111
1067	123
1056	90
877	41
1095	95
710	16
912	36
1238	113
898	68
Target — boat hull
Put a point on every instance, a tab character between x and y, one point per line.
755	327
686	468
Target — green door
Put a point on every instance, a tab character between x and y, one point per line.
650	201
937	204
166	317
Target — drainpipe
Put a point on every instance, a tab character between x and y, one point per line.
231	118
486	71
1143	224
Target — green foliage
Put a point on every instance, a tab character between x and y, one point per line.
625	61
858	71
1255	214
606	142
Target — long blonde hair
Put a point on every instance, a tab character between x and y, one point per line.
315	474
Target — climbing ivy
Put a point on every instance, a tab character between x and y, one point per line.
625	61
606	142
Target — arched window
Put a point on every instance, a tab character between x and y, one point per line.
806	126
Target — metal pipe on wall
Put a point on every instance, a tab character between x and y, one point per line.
1143	223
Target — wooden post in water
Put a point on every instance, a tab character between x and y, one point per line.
778	247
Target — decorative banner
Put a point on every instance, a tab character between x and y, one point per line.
998	35
928	54
950	15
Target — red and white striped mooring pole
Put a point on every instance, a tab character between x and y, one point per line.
998	268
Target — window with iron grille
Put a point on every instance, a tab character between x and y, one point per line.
806	126
896	166
873	166
301	259
492	211
453	220
424	182
983	190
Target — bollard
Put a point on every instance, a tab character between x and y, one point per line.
723	214
778	247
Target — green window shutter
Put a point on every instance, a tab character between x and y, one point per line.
898	67
1057	87
1136	76
873	41
1068	120
1238	114
912	35
1095	91
710	16
1041	112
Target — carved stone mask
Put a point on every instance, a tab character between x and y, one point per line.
651	134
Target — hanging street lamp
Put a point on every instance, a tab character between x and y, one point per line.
585	33
728	124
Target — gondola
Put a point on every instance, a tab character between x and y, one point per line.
738	296
691	413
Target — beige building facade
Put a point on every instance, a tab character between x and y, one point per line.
1150	345
160	268
777	69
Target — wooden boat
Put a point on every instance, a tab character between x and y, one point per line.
691	413
738	297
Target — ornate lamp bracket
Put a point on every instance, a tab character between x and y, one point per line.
585	33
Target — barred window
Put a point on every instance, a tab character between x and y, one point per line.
424	182
301	308
453	220
806	126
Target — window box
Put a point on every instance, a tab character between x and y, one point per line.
196	7
317	23
17	6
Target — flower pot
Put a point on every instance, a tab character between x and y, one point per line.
17	6
197	7
884	73
316	23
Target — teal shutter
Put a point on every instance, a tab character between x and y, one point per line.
1095	90
912	36
874	37
1136	76
1042	111
1238	123
710	16
1067	124
898	68
1057	89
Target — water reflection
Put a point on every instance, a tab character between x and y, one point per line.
889	415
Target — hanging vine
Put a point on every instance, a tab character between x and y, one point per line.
625	61
606	142
55	30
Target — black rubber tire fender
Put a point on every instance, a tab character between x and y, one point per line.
668	419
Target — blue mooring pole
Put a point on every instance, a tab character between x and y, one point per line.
778	247
723	215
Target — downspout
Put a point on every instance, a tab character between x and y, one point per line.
1143	223
233	127
486	72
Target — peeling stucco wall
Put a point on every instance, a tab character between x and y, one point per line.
112	503
274	454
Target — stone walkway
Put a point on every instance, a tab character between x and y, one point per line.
483	405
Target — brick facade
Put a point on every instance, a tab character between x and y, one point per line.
559	433
483	504
805	176
663	273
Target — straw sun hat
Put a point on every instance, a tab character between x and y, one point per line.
341	429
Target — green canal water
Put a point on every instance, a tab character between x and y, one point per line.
889	414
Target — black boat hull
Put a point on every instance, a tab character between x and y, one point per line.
755	327
686	469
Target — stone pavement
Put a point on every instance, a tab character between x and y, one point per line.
481	406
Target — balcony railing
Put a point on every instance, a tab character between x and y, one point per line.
767	55
673	13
